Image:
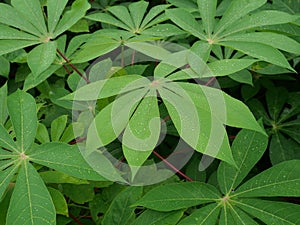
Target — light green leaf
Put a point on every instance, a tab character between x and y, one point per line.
120	211
243	76
227	66
42	134
163	30
12	17
108	87
207	9
112	120
70	17
279	41
6	177
259	19
33	13
63	158
175	196
7	46
137	11
260	51
205	215
59	201
280	180
54	10
58	126
22	111
151	217
154	51
186	21
30	202
153	13
247	148
121	13
4	67
41	57
271	212
73	131
3	103
236	10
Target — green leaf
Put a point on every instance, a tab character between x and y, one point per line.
4	66
54	10
236	10
163	30
5	178
70	17
227	66
260	51
106	18
205	215
178	196
151	217
31	202
137	11
259	19
7	46
59	201
58	126
112	120
3	103
14	18
63	158
186	21
54	177
207	9
271	212
80	194
283	149
280	180
108	87
276	100
121	13
154	51
247	148
243	76
32	11
22	111
6	140
142	132
279	41
153	15
120	211
42	134
238	216
12	33
41	57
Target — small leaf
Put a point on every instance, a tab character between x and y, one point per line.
120	211
22	111
58	126
59	201
42	134
280	180
70	17
243	77
41	57
178	196
4	66
63	158
30	202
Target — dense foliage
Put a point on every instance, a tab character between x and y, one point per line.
149	112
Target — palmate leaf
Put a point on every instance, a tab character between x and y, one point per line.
54	11
207	9
31	202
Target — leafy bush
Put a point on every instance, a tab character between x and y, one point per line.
159	112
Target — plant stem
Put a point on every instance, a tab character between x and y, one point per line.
72	66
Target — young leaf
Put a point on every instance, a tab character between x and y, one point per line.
32	11
42	134
280	180
120	211
30	202
178	196
247	148
59	201
22	111
41	57
63	158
